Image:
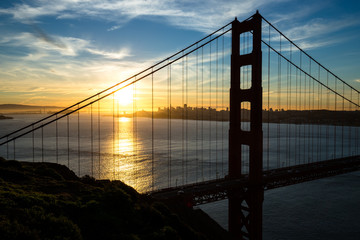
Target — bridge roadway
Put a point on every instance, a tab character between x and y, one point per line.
215	190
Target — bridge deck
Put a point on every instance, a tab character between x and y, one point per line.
215	190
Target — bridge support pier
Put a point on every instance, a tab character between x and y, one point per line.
245	205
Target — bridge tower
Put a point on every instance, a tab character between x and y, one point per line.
245	205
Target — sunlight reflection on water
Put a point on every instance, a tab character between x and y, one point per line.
146	155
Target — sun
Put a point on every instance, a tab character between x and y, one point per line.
124	96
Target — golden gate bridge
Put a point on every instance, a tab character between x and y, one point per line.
240	111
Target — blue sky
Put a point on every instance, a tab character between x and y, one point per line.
72	48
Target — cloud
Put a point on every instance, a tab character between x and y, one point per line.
111	55
201	15
313	34
318	27
114	28
36	89
357	80
315	44
293	15
42	35
26	13
196	15
41	46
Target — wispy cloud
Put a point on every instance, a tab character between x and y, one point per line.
114	28
111	55
202	15
295	14
39	43
45	37
315	33
318	27
197	15
42	45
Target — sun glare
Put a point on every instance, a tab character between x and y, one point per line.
124	119
124	96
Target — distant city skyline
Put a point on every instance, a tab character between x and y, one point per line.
61	52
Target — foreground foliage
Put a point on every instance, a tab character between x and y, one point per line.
48	201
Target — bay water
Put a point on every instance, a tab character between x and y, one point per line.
151	154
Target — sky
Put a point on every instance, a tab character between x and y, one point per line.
58	52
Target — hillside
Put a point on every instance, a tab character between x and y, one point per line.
20	108
2	117
48	201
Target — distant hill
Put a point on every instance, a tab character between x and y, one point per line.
26	109
2	117
23	107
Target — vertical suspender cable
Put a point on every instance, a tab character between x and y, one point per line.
68	140
335	102
309	142
169	124
314	137
7	147
268	113
118	158
342	126
57	140
152	131
210	109
222	106
202	113
357	129
183	119
318	157
113	133
356	142
279	106
170	127
134	133
187	119
299	108
216	107
307	111
310	132
135	120
287	117
92	142
99	139
304	109
33	143
296	109
78	123
197	116
290	102
328	109
42	144
349	127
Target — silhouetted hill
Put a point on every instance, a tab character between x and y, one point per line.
48	201
4	117
21	106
